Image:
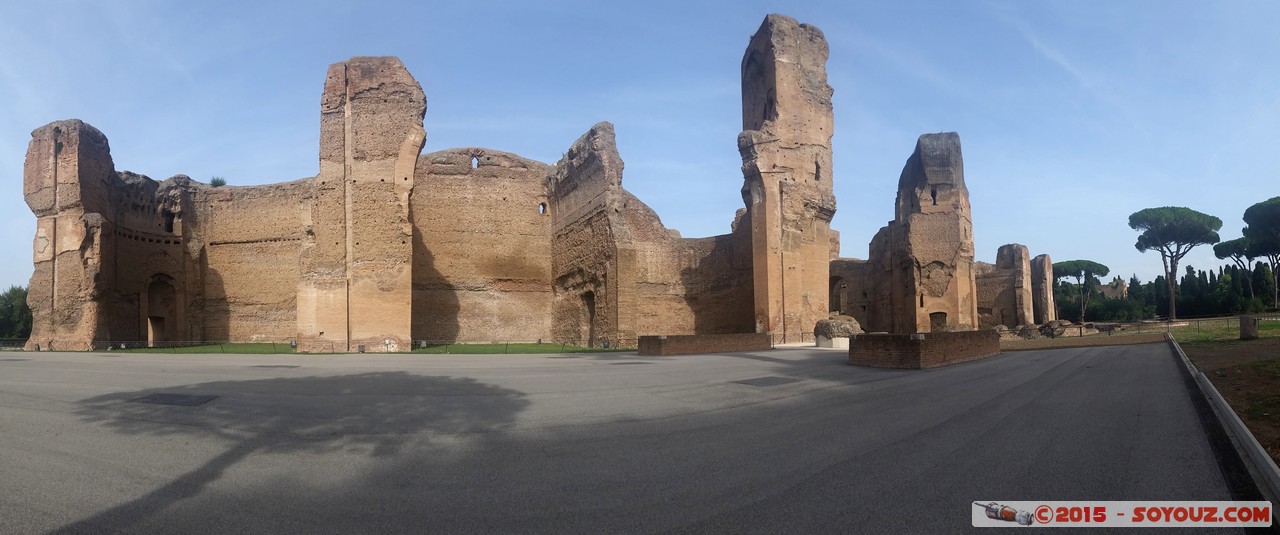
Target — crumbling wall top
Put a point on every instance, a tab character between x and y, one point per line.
798	108
1013	256
68	164
933	178
463	160
383	101
587	177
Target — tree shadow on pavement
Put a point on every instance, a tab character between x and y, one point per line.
374	414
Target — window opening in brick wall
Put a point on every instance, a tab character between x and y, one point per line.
938	321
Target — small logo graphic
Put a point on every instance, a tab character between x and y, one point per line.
1006	513
1044	514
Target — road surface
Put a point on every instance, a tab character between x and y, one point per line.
779	441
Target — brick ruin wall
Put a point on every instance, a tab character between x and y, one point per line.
913	351
356	261
689	285
179	260
482	242
67	180
932	240
387	245
1116	289
592	257
855	292
168	261
919	276
1042	305
662	346
619	273
785	145
1004	289
248	265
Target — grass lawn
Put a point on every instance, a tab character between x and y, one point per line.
513	348
247	348
1246	372
1217	334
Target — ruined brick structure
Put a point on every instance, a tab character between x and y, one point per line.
662	346
69	182
1005	289
386	246
1042	304
920	274
922	350
1015	290
1116	289
356	256
786	160
618	273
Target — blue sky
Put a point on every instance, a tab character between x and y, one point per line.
1072	114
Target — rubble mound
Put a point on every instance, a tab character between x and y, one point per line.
837	327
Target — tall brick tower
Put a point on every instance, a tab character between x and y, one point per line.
786	165
357	256
931	239
1042	290
65	181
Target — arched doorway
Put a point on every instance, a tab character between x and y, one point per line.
937	322
838	300
161	312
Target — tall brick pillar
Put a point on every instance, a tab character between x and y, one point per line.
786	153
65	183
932	236
1042	290
357	256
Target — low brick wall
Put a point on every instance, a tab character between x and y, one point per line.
927	350
702	343
1063	342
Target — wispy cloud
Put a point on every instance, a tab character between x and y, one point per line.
1092	82
854	41
130	24
1086	78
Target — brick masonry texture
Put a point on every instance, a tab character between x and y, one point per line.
1005	289
929	351
387	245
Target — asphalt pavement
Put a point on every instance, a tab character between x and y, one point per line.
785	440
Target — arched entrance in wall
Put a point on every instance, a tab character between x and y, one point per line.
838	299
160	312
937	322
587	330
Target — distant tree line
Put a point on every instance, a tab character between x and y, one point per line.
15	316
1247	285
1222	291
